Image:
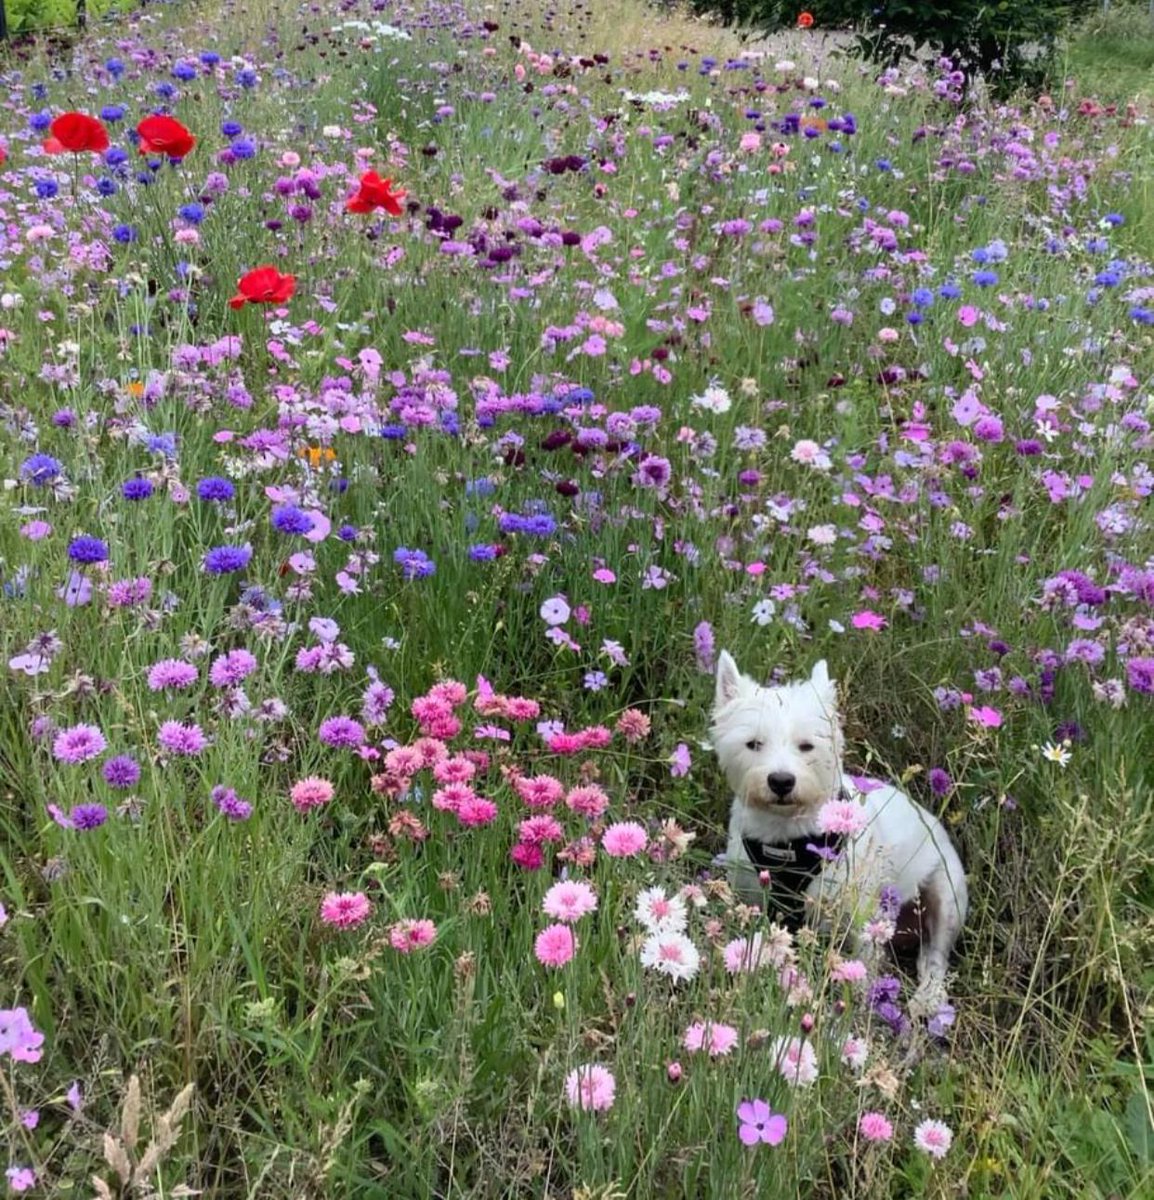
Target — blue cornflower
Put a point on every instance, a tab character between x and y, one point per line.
138	488
85	549
39	469
287	518
414	564
221	560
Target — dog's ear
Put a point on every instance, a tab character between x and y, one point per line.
729	680
820	679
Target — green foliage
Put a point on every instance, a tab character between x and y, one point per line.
1009	42
28	16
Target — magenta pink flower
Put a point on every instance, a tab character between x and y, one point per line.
555	945
78	744
591	1088
624	839
868	620
345	910
874	1127
407	936
540	830
569	900
985	715
476	811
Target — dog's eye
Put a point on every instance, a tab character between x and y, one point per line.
754	745
805	747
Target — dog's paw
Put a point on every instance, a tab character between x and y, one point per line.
929	998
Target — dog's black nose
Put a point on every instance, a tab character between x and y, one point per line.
781	783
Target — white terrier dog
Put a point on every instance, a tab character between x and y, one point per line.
781	751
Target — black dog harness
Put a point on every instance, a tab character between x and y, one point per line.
793	866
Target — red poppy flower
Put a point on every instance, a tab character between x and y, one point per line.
164	135
264	285
374	193
805	20
75	133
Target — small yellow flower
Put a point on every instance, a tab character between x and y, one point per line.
559	1001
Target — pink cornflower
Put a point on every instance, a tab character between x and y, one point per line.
671	953
633	725
796	1060
854	1052
409	935
591	1088
874	1127
934	1137
853	970
452	796
660	913
554	946
78	744
680	761
171	674
842	816
589	801
403	761
717	1039
311	792
432	750
528	856
518	708
457	769
179	738
451	691
539	791
537	831
229	669
569	900
624	839
476	811
345	910
753	953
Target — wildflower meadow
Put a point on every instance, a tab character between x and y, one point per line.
402	406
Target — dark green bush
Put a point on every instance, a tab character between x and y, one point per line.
1009	42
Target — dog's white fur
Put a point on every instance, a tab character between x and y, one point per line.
763	736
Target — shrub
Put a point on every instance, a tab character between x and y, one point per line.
1009	42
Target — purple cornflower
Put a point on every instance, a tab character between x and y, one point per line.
178	738
172	674
88	816
78	744
375	702
1140	675
231	804
342	731
86	549
229	669
940	782
121	771
703	647
653	472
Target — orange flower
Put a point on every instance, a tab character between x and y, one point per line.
317	454
804	20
